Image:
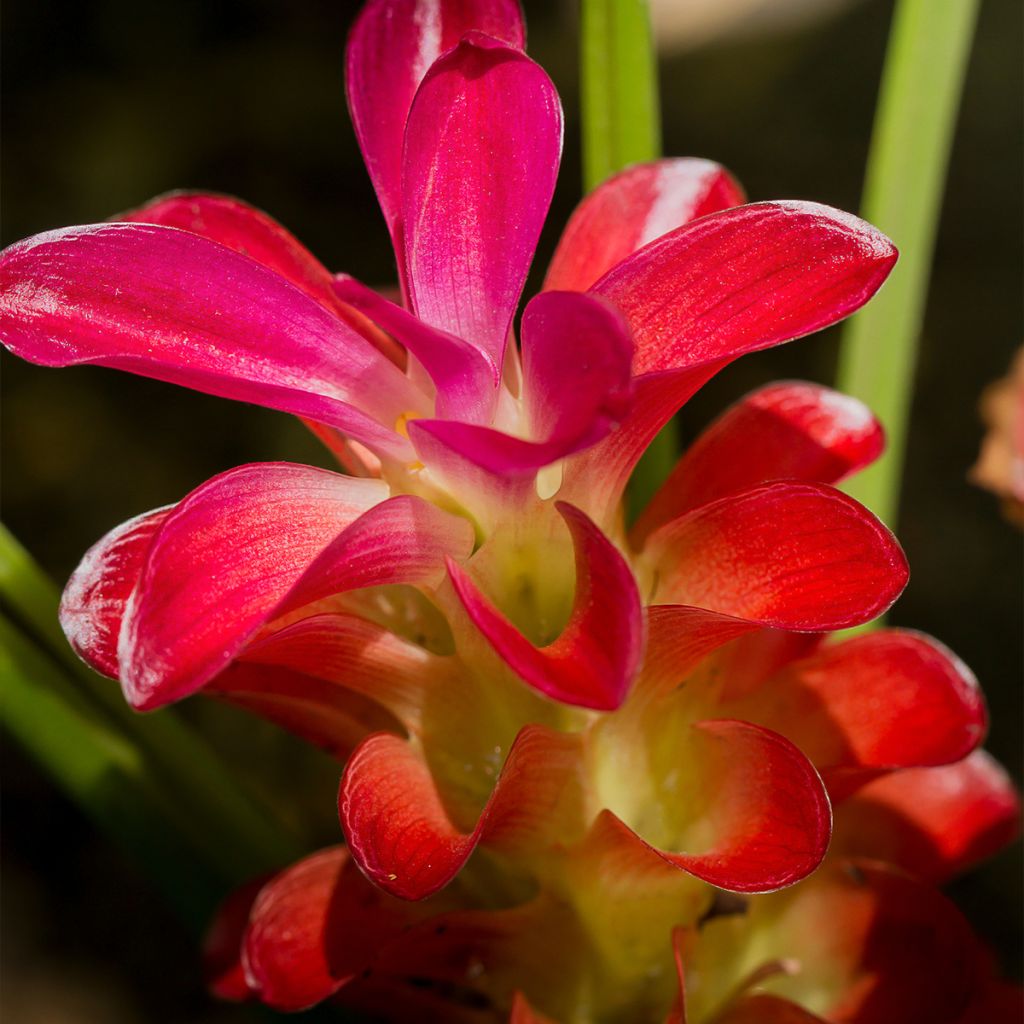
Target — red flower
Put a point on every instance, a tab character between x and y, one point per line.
604	730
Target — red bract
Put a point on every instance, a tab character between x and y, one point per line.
561	742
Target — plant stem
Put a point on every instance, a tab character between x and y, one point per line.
104	773
239	835
921	84
622	126
619	88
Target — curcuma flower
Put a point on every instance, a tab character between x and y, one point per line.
584	765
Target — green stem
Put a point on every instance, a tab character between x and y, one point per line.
619	88
103	772
238	834
920	92
622	126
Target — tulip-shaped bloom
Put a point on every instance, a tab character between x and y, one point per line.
564	742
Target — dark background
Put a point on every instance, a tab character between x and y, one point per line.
110	102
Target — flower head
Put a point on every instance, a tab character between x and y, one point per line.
560	736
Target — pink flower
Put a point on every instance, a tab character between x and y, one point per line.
613	722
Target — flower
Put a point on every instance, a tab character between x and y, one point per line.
563	739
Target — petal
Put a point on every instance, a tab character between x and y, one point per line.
465	377
560	330
786	555
222	561
524	1013
482	147
390	48
402	540
567	334
745	279
889	699
595	479
765	812
171	305
678	639
790	430
400	833
285	952
253	233
593	661
346	653
633	208
727	284
934	822
766	1009
222	945
92	605
244	229
856	942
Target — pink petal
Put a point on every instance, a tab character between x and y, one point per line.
745	279
169	304
482	148
465	377
633	208
390	48
400	833
790	430
92	605
889	699
560	330
787	555
223	560
933	822
760	812
592	663
402	540
244	229
580	341
253	233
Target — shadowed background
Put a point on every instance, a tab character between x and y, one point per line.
111	102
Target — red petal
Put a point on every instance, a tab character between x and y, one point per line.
633	208
222	561
786	555
524	1013
222	945
93	602
790	430
760	811
765	1009
745	279
594	659
285	953
351	653
174	306
934	822
390	48
400	833
889	699
482	146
